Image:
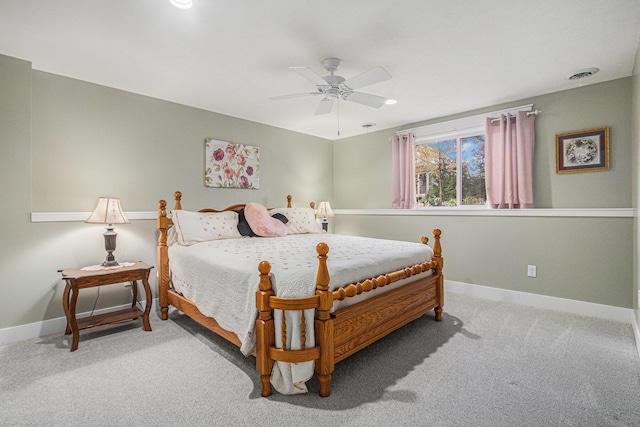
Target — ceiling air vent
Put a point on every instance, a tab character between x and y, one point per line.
582	74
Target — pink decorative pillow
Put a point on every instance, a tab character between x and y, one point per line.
262	223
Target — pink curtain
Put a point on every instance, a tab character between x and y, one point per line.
403	160
509	144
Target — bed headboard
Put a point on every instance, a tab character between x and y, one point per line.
164	222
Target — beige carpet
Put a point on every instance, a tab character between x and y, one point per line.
485	364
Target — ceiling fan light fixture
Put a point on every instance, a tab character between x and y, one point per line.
182	4
332	93
336	88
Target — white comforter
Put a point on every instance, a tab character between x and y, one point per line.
221	277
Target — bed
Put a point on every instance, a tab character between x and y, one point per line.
336	308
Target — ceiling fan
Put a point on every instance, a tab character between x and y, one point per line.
333	87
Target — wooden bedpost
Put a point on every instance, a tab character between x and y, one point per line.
265	331
178	197
437	255
324	323
163	260
289	200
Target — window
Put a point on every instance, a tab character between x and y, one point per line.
450	160
450	169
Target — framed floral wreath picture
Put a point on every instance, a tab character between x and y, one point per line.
229	165
582	151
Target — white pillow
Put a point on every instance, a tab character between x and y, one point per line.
172	236
194	227
301	220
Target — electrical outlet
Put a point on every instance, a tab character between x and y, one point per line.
531	271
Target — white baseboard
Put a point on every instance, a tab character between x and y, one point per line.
52	326
618	314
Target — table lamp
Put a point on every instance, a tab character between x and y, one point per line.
324	211
108	212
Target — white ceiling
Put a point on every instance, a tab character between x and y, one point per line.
230	57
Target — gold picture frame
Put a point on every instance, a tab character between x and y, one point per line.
582	151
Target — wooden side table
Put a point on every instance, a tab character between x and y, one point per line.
77	279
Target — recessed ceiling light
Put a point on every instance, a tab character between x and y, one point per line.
182	4
581	74
391	101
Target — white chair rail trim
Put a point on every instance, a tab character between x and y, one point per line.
82	216
585	212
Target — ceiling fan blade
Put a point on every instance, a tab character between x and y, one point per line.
375	75
325	106
309	74
293	95
373	101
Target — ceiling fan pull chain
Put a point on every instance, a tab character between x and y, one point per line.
338	102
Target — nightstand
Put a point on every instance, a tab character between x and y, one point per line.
89	277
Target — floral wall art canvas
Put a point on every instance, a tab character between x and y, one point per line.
230	165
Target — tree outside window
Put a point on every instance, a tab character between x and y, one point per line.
438	182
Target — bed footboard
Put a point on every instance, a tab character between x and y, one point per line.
266	351
344	332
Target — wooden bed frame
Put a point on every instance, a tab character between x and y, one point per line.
338	334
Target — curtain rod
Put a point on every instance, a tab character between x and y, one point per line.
528	113
462	122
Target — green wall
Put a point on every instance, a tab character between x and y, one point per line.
15	194
635	132
582	258
586	259
66	142
362	164
92	140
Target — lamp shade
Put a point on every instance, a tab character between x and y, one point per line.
108	211
324	209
